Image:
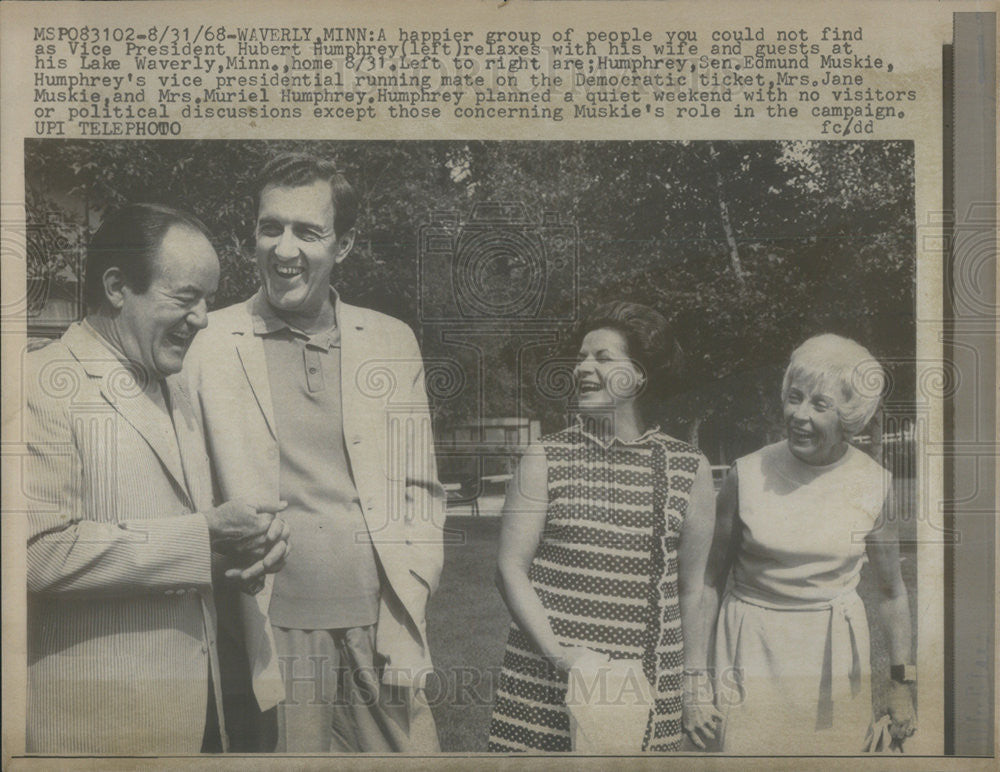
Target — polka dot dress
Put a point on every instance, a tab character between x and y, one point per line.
606	572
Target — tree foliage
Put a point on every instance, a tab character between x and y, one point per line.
747	247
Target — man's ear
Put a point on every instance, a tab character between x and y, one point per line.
344	245
114	287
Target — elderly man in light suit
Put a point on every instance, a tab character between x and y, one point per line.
122	535
321	404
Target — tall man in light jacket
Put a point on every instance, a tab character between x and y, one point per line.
122	534
312	401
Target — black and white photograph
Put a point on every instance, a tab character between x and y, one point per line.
467	446
570	383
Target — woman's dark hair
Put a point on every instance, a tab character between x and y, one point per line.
296	169
650	344
128	240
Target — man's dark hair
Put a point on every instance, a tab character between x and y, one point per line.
129	239
650	343
296	169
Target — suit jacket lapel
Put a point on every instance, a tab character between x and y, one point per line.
131	396
194	457
251	352
151	419
351	351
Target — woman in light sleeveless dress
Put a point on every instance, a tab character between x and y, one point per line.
795	521
605	539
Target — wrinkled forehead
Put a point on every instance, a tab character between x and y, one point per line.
184	257
310	203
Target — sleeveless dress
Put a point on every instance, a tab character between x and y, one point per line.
606	573
792	648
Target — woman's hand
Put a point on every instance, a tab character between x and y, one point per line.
575	656
707	548
701	719
901	711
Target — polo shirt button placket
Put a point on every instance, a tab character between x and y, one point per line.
314	375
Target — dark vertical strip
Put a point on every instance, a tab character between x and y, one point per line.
974	313
657	576
948	200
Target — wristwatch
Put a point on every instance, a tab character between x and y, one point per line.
904	674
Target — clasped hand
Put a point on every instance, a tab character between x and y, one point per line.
252	537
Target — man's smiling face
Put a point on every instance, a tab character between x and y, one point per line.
156	327
297	247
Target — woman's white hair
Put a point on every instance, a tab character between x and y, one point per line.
847	369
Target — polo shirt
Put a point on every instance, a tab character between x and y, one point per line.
330	579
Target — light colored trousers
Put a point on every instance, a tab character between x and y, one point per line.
334	702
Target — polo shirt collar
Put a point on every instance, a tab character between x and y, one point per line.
266	322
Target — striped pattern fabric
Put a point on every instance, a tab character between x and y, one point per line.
606	572
121	621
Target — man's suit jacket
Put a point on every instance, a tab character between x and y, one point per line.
121	621
387	431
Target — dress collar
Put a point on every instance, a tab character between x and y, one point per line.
641	440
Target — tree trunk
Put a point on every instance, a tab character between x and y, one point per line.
693	432
727	225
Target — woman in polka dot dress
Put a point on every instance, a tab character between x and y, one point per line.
603	549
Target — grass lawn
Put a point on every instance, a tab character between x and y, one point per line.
467	624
